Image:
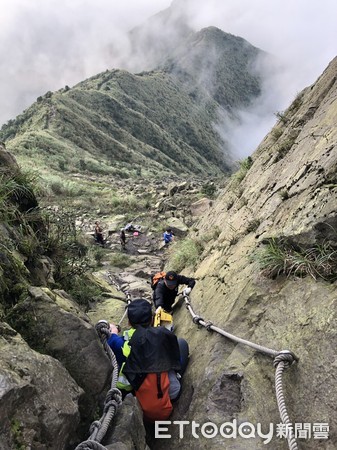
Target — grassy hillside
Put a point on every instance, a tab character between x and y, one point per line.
221	64
153	124
119	120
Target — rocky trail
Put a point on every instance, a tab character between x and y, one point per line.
147	255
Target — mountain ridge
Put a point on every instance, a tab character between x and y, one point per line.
156	118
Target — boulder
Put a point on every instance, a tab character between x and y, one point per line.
7	159
201	207
63	331
178	226
127	431
38	397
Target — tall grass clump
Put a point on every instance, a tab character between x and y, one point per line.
17	186
283	257
120	260
65	245
185	253
238	176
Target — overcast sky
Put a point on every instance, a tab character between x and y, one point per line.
47	44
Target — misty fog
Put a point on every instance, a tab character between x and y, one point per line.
46	45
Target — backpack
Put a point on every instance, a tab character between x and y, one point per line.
154	352
153	396
155	278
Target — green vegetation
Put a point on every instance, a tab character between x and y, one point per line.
30	234
82	290
239	175
121	124
121	260
282	117
253	225
277	133
280	256
209	189
144	121
16	434
284	194
185	253
283	148
16	187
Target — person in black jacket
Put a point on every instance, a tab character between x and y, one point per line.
144	349
166	290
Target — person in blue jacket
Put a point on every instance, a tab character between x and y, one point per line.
168	236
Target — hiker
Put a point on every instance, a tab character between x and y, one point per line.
168	236
151	361
166	289
122	238
99	234
129	227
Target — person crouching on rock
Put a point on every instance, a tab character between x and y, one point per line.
151	361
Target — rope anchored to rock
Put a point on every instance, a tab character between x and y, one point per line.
282	360
113	398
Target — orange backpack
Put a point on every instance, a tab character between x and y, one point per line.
153	396
156	277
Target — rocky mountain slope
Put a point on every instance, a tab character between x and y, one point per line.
270	277
266	272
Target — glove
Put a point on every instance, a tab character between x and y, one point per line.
187	291
158	310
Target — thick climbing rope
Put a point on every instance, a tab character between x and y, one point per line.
113	399
282	360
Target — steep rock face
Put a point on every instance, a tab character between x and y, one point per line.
7	160
289	192
127	430
63	331
38	397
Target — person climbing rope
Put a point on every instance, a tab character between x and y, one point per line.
166	289
99	234
151	360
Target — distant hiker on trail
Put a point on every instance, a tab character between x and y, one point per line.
99	234
132	228
166	289
122	238
129	227
168	236
151	361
